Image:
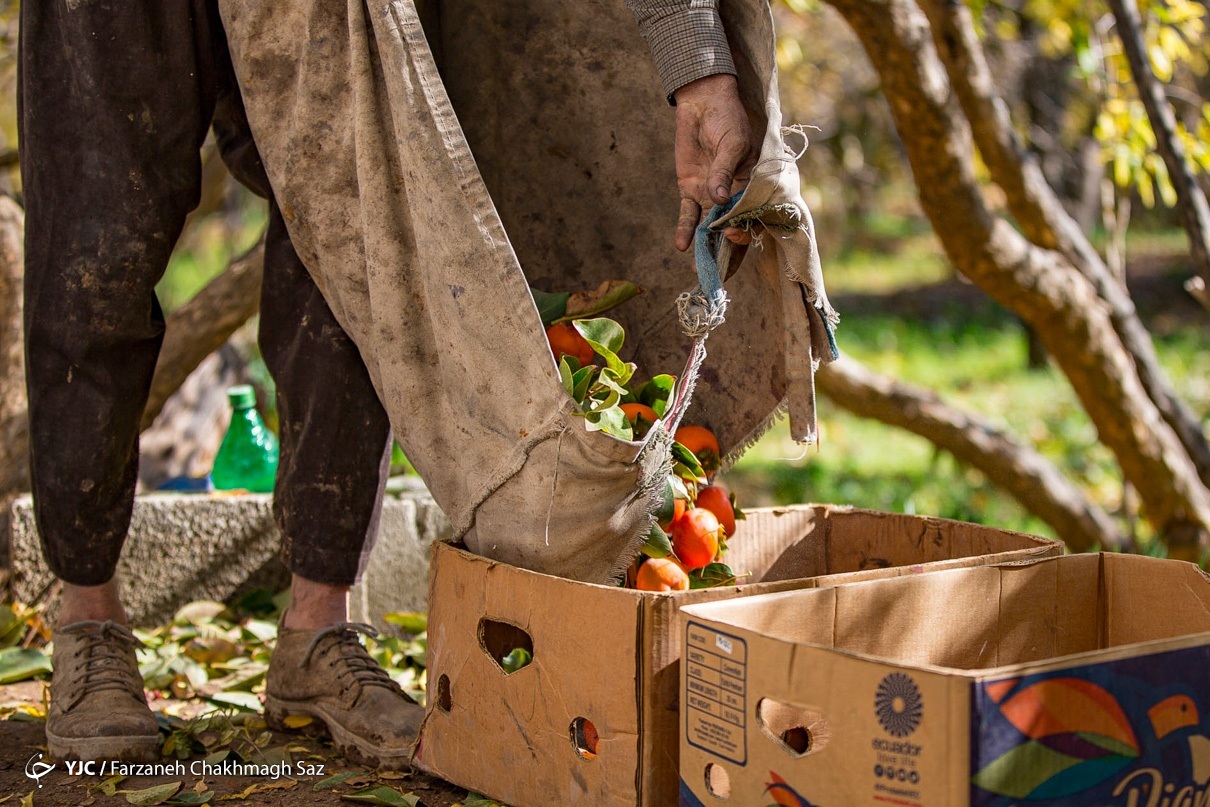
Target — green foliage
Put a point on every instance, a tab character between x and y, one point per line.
1174	34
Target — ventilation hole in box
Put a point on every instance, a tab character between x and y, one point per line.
798	730
718	781
508	645
443	693
584	738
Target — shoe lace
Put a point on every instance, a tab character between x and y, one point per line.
354	665
105	647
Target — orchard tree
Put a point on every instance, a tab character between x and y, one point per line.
1033	258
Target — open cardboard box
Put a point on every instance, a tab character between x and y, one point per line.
605	659
1079	680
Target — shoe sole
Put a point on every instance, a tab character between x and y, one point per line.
139	748
355	748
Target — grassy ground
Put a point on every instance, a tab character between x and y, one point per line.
907	316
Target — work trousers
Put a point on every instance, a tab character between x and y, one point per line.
115	99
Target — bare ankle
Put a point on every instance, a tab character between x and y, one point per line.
316	605
99	603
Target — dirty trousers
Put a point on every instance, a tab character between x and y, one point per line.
114	101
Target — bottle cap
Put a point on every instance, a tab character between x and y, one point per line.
242	397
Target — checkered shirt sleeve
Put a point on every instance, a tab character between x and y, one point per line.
687	39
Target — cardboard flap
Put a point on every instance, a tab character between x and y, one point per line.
1149	598
774	544
869	539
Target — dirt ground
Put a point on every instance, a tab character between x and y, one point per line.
22	741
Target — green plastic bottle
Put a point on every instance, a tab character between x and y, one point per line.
247	458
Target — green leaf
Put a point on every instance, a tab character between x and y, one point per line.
20	663
475	800
412	622
565	376
10	627
687	459
611	420
189	798
602	333
550	305
667	508
330	782
657	392
110	786
517	658
658	544
711	575
260	629
581	381
609	379
606	338
383	795
156	794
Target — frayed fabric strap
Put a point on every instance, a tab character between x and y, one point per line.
705	249
700	311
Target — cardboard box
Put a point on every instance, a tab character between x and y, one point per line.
1079	680
605	659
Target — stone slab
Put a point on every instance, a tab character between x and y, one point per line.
183	547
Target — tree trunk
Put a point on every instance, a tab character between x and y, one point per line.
1017	469
14	428
1042	217
1041	285
14	457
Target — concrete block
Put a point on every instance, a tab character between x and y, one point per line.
182	548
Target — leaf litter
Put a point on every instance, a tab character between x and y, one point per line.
205	675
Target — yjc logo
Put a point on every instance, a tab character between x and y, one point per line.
35	768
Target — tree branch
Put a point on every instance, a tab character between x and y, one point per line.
1041	215
1042	286
1015	468
199	327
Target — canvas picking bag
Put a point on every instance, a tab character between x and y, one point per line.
387	208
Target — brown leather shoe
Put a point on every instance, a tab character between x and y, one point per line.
327	675
97	706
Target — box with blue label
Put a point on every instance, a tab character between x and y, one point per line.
590	714
1079	680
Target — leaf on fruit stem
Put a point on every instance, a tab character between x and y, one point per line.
658	544
711	575
688	461
609	294
551	306
657	392
610	420
565	377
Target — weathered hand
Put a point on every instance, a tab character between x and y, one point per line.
714	151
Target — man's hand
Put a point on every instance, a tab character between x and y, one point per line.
714	151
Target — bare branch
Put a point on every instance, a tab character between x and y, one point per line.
1015	468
